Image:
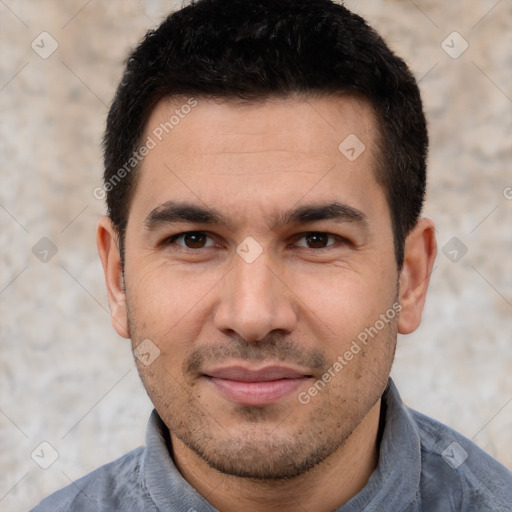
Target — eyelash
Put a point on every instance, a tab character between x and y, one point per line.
172	240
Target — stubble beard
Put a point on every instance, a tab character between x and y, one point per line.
268	443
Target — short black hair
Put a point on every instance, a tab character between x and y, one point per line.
258	49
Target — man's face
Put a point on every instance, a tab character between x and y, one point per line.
290	259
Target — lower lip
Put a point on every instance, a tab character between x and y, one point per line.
257	394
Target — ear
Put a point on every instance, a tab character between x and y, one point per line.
419	255
107	241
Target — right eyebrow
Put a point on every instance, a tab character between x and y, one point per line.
172	212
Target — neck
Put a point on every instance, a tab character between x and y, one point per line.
324	488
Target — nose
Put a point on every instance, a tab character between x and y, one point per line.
254	301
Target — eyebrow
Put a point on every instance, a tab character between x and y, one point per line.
173	212
334	210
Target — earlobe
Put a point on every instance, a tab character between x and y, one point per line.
108	249
419	257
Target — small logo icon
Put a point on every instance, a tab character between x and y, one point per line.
454	45
44	250
44	455
44	45
454	455
454	250
352	147
249	250
146	352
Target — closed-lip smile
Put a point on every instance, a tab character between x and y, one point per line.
256	387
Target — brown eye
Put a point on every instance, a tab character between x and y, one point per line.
195	240
192	240
319	244
316	240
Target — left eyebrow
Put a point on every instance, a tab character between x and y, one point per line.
335	210
172	212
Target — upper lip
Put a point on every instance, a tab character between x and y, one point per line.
268	373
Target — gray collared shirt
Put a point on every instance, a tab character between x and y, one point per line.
424	466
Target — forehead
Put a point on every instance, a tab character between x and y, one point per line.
311	124
252	157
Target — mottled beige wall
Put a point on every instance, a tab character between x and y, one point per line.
67	379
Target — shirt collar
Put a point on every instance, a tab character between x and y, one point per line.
395	482
393	485
162	479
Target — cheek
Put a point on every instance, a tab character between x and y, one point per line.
344	301
164	293
171	308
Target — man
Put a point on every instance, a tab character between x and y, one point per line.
265	175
